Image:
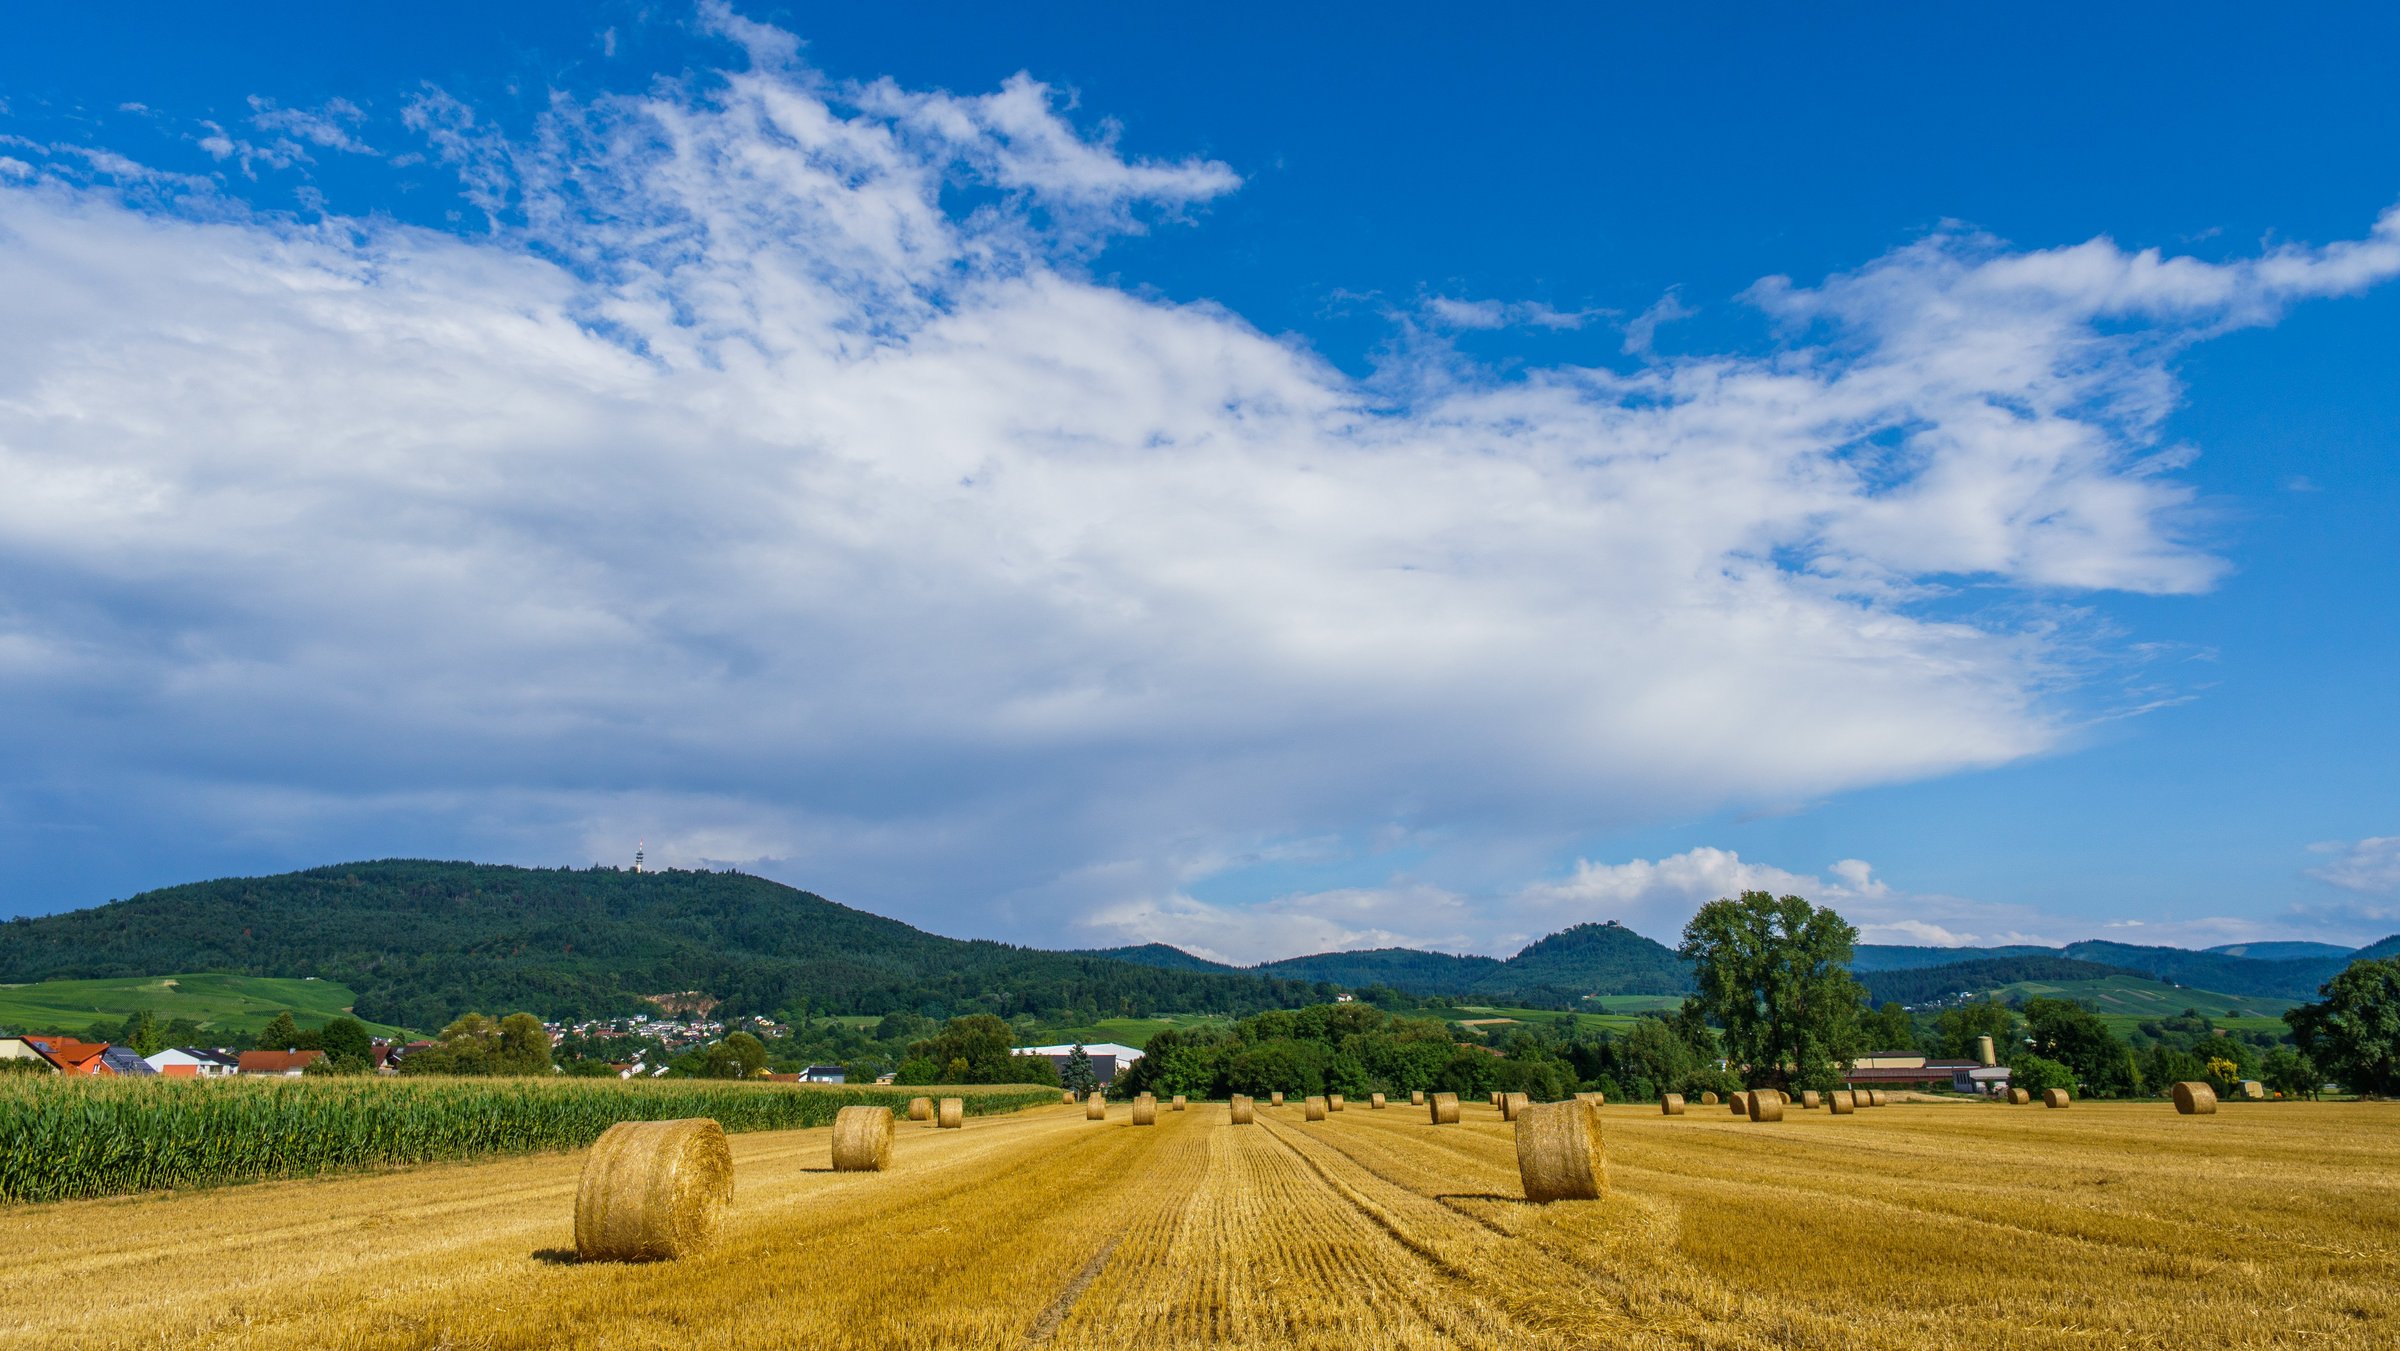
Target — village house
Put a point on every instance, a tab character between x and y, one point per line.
193	1062
285	1063
1108	1058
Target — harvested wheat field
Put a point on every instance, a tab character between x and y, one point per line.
1918	1226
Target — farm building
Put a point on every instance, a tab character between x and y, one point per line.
1907	1069
193	1062
21	1048
824	1074
1107	1057
126	1061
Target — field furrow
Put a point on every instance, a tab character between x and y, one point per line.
2112	1225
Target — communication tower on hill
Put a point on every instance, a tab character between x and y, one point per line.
637	855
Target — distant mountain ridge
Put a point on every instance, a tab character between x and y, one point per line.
420	941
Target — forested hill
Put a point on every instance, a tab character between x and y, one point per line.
420	942
1557	971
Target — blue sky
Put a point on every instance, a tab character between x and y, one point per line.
1289	482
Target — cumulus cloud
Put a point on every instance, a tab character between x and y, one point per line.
2370	866
742	486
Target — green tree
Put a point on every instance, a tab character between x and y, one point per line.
2353	1033
346	1041
143	1034
525	1046
1890	1028
917	1069
2291	1073
2035	1073
2065	1031
1651	1054
280	1034
738	1055
1078	1077
1774	974
973	1049
475	1044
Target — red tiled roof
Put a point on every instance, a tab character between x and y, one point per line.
276	1062
72	1056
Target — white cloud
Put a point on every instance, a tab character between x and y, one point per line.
734	493
1404	914
2370	866
330	127
1642	330
1493	314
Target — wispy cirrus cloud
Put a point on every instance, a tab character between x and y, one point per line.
740	487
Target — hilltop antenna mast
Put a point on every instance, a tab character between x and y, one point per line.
637	854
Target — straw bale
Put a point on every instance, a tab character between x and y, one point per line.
1443	1107
1708	1099
1671	1105
2253	1090
653	1190
1179	1102
920	1109
1416	1097
1511	1104
1595	1099
952	1115
1878	1098
1095	1108
1145	1110
1766	1104
1333	1102
2195	1098
1375	1102
2055	1097
1841	1102
1740	1103
1811	1100
1066	1095
1558	1152
1275	1099
1316	1108
862	1139
2018	1097
1243	1113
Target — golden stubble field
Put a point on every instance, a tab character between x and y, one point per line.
1910	1226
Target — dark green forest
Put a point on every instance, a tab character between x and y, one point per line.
1554	973
422	942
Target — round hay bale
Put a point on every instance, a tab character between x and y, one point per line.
1879	1098
1275	1099
653	1190
1066	1095
920	1109
1671	1105
2018	1097
1416	1097
2195	1098
1595	1099
1374	1102
1811	1100
1145	1110
1841	1102
1179	1102
1443	1107
1708	1099
1243	1113
2055	1097
1316	1109
1766	1104
1095	1108
1513	1103
862	1139
1494	1096
1740	1103
1333	1102
952	1115
1558	1152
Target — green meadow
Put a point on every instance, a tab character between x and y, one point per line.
218	1003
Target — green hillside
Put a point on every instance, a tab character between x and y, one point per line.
421	942
219	1003
2127	999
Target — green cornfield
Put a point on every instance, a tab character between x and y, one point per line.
64	1138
